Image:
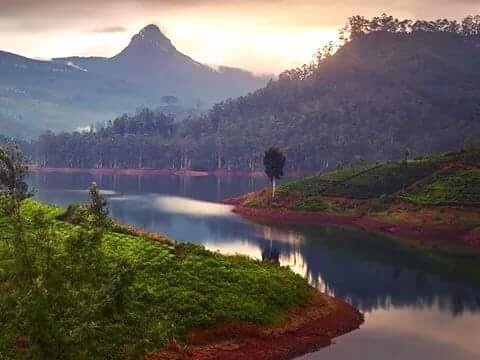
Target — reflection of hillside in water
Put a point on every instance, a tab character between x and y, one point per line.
382	274
368	270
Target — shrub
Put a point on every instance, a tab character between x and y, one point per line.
454	187
311	204
76	214
98	207
13	172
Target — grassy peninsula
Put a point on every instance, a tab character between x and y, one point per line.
121	293
433	198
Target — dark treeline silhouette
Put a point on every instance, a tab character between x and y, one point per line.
359	25
393	86
144	140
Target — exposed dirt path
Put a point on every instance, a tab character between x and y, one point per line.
306	329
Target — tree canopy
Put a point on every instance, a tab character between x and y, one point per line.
393	85
13	173
274	162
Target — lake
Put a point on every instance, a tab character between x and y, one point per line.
417	304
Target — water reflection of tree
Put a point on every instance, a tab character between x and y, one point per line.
271	255
374	272
367	270
381	275
369	283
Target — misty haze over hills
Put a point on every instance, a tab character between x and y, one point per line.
394	88
67	93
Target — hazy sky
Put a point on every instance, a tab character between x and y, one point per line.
260	35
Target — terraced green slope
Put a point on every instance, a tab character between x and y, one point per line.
456	171
452	187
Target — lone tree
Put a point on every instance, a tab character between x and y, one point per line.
13	172
98	206
274	162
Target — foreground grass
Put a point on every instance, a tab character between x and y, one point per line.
173	288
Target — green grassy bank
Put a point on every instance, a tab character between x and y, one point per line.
112	294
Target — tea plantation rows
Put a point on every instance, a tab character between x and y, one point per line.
457	185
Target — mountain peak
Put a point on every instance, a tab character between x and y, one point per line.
152	38
151	30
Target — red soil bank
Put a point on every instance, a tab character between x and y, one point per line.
427	234
306	329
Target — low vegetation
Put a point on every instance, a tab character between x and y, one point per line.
393	85
76	285
451	179
460	187
102	294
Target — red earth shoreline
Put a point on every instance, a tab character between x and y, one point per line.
425	234
307	329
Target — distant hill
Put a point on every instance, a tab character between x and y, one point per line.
434	198
380	95
152	63
434	180
67	93
36	95
394	87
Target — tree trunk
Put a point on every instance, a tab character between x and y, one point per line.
274	185
219	161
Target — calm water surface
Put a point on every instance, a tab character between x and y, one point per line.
417	305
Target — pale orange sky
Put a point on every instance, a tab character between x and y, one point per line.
265	36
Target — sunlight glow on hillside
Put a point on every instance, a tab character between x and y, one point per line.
257	48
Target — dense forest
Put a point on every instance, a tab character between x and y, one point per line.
393	87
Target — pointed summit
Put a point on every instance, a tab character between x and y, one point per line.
151	29
151	38
151	67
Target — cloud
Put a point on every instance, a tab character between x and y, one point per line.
111	29
34	15
258	34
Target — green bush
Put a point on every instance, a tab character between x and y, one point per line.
76	214
98	207
311	204
454	187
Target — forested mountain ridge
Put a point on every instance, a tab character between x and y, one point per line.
70	93
379	96
393	87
